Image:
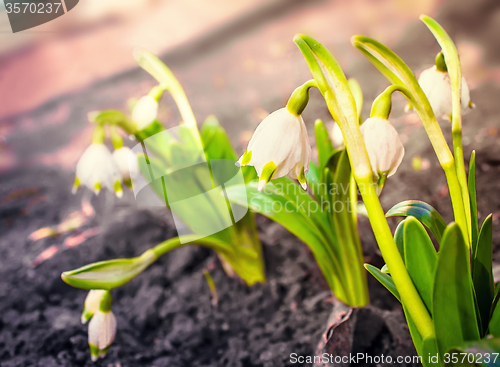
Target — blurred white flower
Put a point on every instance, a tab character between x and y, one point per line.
145	112
279	147
102	331
383	145
437	87
337	137
127	164
96	168
91	305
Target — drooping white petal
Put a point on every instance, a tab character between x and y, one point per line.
337	137
102	329
127	162
437	87
145	112
384	147
91	305
97	166
280	139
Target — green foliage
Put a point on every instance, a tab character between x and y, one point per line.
423	212
323	221
420	258
453	307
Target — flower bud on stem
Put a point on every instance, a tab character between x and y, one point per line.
300	97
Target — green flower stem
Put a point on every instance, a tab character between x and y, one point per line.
382	105
409	294
452	62
116	139
168	82
335	90
98	135
397	72
300	97
174	243
113	118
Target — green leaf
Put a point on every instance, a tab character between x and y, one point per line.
482	273
291	214
494	324
399	239
345	227
312	177
415	335
484	352
384	279
108	274
429	350
452	63
420	258
323	144
357	93
453	309
425	213
473	200
216	143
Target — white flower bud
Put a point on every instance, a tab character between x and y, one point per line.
337	137
437	87
92	303
127	164
145	112
279	147
383	145
96	168
102	332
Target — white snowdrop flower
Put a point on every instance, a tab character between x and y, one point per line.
279	146
145	112
337	137
383	145
437	87
96	168
91	305
127	164
102	332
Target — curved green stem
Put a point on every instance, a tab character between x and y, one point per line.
333	86
397	72
153	65
176	242
452	64
409	294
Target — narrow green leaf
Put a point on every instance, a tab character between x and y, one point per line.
384	279
323	143
482	273
473	200
429	350
272	203
452	63
357	93
494	324
312	177
425	213
453	308
420	258
399	239
216	143
415	335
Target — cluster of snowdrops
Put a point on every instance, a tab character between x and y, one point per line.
448	295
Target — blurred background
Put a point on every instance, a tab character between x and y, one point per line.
236	59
